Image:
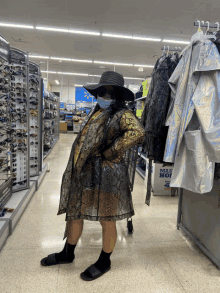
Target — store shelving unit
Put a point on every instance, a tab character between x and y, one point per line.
51	121
20	122
5	124
35	102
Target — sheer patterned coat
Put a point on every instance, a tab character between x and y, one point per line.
96	187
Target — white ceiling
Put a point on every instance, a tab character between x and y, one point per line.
170	19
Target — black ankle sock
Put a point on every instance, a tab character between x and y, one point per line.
102	263
67	253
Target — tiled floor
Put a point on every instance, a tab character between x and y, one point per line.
155	258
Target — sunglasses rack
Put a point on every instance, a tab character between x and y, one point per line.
51	120
6	131
20	119
35	103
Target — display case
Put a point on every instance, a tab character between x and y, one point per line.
35	118
6	130
51	121
19	90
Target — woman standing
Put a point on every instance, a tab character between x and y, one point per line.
95	184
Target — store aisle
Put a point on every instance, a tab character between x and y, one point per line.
155	258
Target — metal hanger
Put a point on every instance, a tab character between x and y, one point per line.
217	28
207	28
199	29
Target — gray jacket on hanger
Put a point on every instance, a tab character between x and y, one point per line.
193	140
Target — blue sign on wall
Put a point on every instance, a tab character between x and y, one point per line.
62	105
82	94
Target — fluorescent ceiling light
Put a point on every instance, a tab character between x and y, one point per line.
53	29
56	29
48	71
73	73
79	60
131	37
123	64
117	36
69	59
133	78
16	25
84	32
57	82
103	62
147	39
94	75
142	65
39	57
85	74
58	58
113	63
80	85
176	41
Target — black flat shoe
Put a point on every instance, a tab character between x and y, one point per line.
50	260
95	272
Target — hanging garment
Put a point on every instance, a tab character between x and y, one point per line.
195	84
155	112
156	107
217	41
96	188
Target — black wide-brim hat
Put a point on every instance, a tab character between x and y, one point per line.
114	79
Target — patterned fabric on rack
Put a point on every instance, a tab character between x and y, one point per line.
97	187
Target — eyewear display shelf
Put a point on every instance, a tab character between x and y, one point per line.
5	125
51	121
20	150
16	189
35	119
199	217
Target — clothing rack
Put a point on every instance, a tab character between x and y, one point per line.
208	24
176	49
204	233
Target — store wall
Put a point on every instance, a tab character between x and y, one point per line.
65	97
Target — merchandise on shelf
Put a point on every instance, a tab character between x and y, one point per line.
19	87
6	130
51	120
145	85
35	103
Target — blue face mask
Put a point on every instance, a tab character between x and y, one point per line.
103	103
